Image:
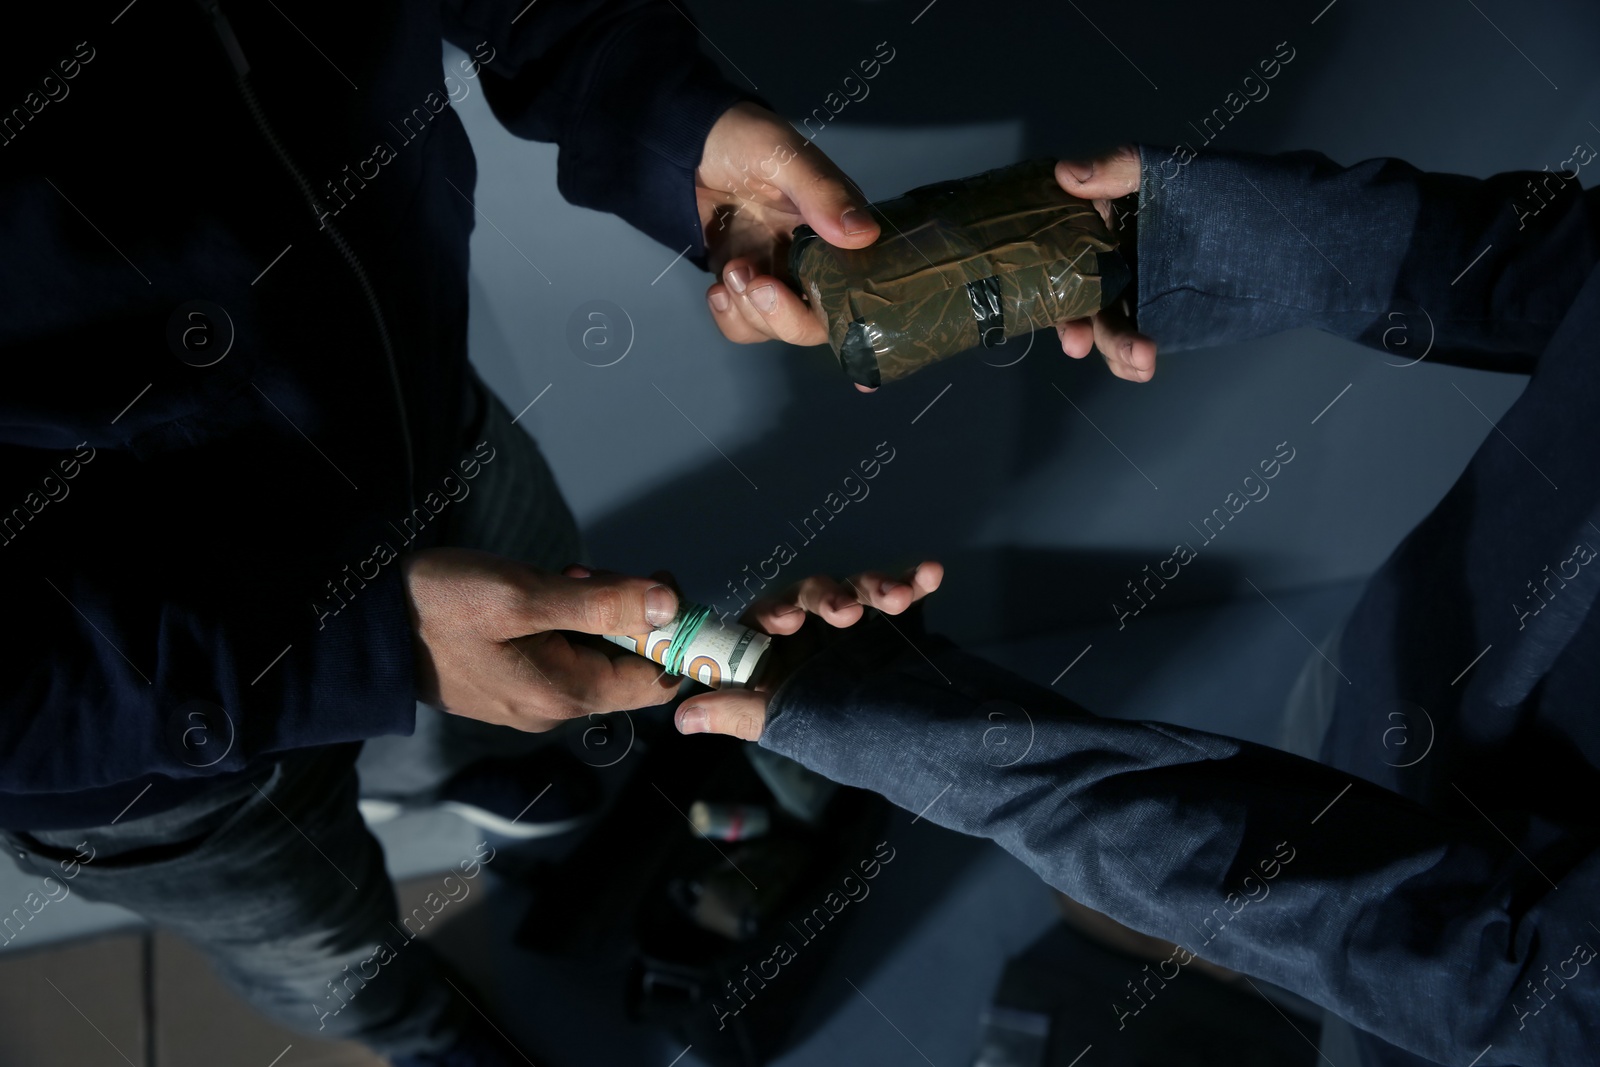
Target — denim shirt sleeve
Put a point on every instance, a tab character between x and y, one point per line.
1418	929
1234	246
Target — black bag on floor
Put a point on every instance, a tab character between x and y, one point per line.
723	940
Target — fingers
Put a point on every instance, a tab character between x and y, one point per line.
819	595
1077	337
1102	178
894	595
1130	354
826	200
775	616
749	306
597	604
926	578
730	318
738	713
876	589
842	604
829	600
666	578
670	580
567	678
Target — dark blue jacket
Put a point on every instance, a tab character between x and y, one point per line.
197	558
1442	896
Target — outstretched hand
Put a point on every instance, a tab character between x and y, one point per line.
743	712
1129	353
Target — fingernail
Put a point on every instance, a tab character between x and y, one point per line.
737	278
660	605
788	612
693	720
841	602
1081	171
888	587
719	301
765	298
855	220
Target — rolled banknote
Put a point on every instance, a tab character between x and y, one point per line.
702	646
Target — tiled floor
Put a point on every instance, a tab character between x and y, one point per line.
199	1022
81	1003
136	999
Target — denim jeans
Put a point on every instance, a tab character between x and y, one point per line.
277	879
1444	905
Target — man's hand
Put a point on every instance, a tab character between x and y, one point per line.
489	647
758	179
1127	352
743	712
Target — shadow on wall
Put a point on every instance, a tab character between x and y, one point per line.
930	499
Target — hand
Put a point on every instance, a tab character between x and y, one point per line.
743	712
1127	352
758	180
488	643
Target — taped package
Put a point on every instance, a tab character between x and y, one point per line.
977	261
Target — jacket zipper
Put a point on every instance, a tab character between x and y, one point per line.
241	66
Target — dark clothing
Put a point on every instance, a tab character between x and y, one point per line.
1446	908
223	537
313	942
275	876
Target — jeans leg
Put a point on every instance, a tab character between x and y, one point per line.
278	881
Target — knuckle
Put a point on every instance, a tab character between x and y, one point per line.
603	609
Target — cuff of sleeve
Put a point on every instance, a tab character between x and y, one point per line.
858	679
634	144
1167	284
351	679
1233	246
1153	252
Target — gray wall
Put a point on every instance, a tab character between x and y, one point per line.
1039	517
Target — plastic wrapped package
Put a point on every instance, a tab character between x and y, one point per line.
977	261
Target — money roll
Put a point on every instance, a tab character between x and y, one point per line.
978	261
705	648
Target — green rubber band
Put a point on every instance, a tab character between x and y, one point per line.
694	616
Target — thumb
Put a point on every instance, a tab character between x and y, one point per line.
600	604
827	200
1102	177
738	713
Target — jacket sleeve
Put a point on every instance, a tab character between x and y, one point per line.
1471	271
1428	931
620	85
